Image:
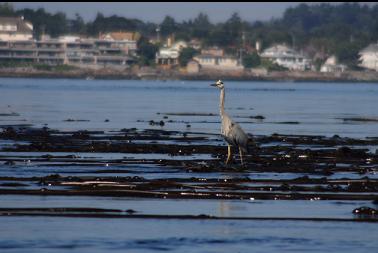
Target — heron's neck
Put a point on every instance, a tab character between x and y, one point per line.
221	105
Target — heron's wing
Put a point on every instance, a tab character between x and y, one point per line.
238	136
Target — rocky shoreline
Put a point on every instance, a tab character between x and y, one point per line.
159	74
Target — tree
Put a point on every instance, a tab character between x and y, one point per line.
186	55
201	26
168	26
251	60
6	9
78	25
146	51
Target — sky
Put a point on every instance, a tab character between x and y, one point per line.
155	12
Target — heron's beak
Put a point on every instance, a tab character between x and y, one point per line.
213	84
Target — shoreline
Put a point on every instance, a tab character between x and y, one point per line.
169	75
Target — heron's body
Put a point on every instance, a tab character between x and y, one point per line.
230	130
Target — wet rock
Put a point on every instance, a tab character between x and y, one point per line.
76	120
364	210
10	163
130	211
348	152
13	185
81	135
260	117
9	132
161	123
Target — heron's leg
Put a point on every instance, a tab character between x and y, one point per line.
229	154
241	156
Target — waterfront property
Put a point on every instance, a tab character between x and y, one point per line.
369	57
332	65
90	52
168	56
15	29
223	63
109	50
286	57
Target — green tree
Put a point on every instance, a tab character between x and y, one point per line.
168	26
251	60
78	25
6	9
146	51
201	26
186	55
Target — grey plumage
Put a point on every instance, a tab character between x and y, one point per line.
234	134
230	130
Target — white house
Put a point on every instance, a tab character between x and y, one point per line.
170	55
286	57
213	62
369	57
331	65
15	29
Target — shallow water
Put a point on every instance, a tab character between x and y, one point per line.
318	108
114	235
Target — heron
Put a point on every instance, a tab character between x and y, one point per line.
230	130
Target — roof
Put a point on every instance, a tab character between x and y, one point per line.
372	48
121	35
281	51
22	25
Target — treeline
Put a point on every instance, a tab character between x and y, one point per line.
319	30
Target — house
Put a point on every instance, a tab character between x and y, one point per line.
211	62
124	40
214	51
15	29
195	43
68	49
369	57
168	56
286	57
331	65
131	36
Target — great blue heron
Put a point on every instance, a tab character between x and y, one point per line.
230	130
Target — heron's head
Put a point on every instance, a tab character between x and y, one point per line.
218	84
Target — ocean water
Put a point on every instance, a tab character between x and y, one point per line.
110	105
316	108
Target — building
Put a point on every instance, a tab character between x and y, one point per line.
369	57
73	50
168	56
214	51
211	62
331	65
195	43
127	41
15	29
286	57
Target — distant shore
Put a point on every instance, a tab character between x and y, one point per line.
156	74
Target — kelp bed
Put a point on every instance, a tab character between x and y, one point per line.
155	163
